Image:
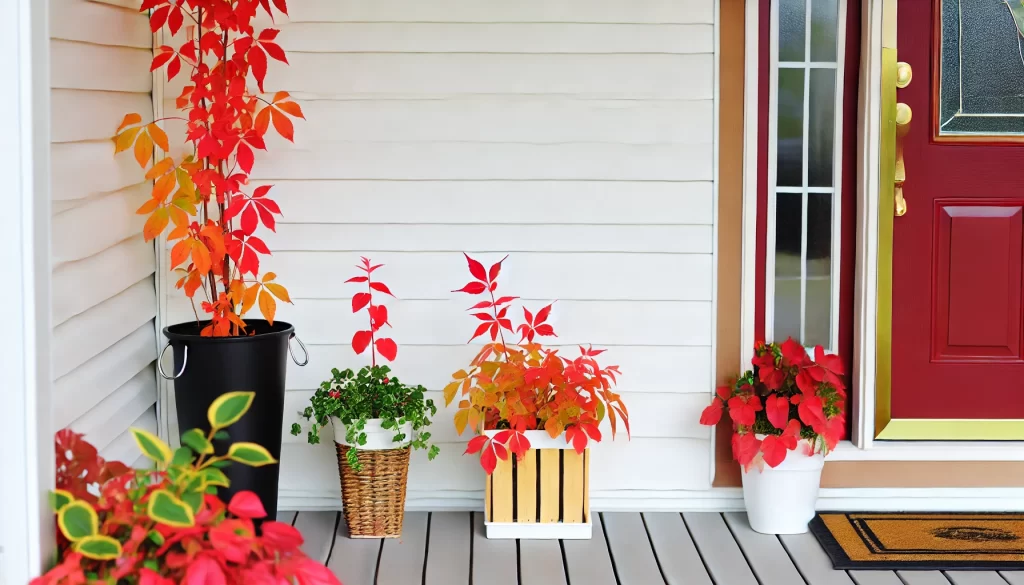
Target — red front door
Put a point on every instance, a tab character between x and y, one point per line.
957	295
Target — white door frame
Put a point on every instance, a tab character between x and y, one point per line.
26	457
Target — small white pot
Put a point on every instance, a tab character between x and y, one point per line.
781	500
377	437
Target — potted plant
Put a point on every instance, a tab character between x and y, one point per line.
201	192
522	399
787	413
377	422
166	525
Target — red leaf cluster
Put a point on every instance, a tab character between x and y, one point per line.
204	196
378	315
80	469
526	386
787	397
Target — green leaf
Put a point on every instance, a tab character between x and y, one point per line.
195	439
296	429
152	447
228	408
98	547
151	564
182	457
155	537
59	499
215	477
221	464
250	454
165	508
78	520
1017	11
193	500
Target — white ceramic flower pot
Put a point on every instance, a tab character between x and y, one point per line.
781	500
377	437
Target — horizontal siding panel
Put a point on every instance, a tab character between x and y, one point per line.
124	448
433	275
77	115
447	322
613	11
83	336
467	202
531	120
85	387
644	368
651	416
674	239
85	169
666	464
105	68
101	24
482	161
76	233
104	422
80	285
448	37
436	74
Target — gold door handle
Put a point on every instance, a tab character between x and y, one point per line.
904	74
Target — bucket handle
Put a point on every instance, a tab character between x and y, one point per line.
160	364
305	352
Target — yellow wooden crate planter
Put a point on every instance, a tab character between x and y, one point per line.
545	495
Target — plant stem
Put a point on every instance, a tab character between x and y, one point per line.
494	311
373	347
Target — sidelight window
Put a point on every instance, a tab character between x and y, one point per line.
805	121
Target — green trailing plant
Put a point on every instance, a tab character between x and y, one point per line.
372	393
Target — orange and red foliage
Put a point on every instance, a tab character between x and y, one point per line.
526	386
205	197
378	315
787	397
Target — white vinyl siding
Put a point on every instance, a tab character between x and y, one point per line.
104	295
576	135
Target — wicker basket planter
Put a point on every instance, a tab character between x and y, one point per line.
544	496
373	499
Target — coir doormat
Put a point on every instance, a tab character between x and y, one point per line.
929	541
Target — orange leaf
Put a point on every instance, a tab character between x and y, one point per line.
263	120
268	306
269	276
249	298
161	168
281	95
148	207
124	140
201	257
159	136
128	120
283	125
461	420
292	109
178	217
155	224
143	149
179	253
278	291
163	187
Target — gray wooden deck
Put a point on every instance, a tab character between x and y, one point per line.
662	548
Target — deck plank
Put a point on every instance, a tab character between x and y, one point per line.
680	562
354	560
764	553
875	578
287	517
401	559
317	530
811	560
721	554
923	577
450	544
495	562
588	561
975	578
540	563
632	555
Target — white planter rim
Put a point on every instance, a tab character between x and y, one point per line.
539	531
541	439
377	437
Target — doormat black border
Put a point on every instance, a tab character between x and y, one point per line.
841	561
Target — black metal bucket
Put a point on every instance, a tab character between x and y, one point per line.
207	367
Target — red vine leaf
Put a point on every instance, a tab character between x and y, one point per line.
387	348
360	341
360	300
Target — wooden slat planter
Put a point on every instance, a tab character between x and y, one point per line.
545	495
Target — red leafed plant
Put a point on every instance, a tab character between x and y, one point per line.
167	526
205	196
526	386
377	313
786	398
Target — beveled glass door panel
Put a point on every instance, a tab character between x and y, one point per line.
980	86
